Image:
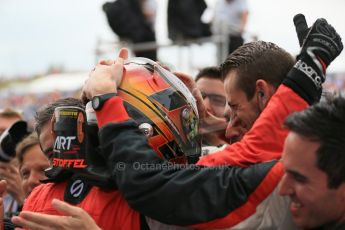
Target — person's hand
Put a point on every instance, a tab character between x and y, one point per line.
3	187
75	218
187	80
10	173
105	77
320	46
323	41
211	127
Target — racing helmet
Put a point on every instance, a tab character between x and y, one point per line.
164	109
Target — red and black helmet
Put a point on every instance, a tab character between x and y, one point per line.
164	109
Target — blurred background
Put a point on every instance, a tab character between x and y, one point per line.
47	47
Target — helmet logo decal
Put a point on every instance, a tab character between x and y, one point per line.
63	143
77	188
69	163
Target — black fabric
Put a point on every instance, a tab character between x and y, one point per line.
76	190
184	19
143	223
174	194
127	20
235	41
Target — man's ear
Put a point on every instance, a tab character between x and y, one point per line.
263	93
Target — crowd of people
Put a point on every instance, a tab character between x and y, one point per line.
250	144
134	21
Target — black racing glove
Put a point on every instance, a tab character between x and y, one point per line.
321	44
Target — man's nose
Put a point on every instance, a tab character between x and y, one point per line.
232	129
227	113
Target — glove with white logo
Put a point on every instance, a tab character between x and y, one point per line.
321	44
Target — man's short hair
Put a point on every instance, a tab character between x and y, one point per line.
258	60
45	114
325	123
212	72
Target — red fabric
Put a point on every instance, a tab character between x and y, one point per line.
109	212
264	142
105	115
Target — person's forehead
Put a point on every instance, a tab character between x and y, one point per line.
230	81
210	85
208	79
33	154
300	153
233	92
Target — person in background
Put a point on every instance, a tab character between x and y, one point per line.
230	19
149	11
184	20
210	83
14	196
32	162
134	21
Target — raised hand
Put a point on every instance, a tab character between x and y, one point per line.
75	218
321	44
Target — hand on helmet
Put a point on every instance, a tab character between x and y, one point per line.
187	80
211	127
105	77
